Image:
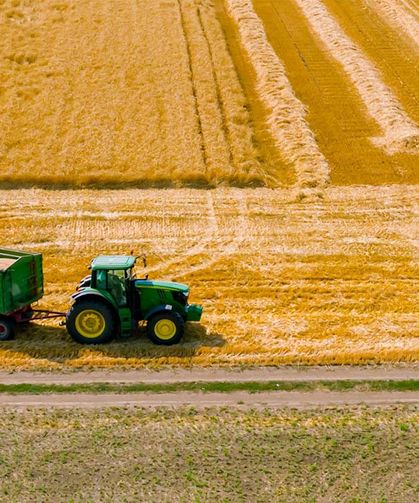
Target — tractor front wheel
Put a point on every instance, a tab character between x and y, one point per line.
165	328
7	329
91	322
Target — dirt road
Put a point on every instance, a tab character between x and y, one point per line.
196	374
240	399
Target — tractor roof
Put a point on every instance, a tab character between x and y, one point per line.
112	262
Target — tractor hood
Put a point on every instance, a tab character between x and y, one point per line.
162	285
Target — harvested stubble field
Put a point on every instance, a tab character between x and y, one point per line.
281	281
183	455
354	72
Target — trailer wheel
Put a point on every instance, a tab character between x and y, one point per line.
91	322
7	329
165	328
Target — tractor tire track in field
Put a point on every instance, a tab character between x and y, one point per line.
225	125
191	71
217	148
231	99
212	245
224	248
211	232
217	86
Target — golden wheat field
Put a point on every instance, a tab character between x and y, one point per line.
264	152
204	92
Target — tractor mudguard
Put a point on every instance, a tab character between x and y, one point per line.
158	309
92	293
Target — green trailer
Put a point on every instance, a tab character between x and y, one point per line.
21	284
108	302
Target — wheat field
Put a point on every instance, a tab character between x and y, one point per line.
120	92
264	152
208	92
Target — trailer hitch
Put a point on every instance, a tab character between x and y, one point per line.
44	314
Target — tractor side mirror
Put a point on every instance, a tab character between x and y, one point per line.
144	257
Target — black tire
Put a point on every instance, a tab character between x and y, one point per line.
7	329
174	320
100	313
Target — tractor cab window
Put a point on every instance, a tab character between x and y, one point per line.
117	286
114	283
102	280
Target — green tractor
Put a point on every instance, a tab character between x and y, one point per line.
112	300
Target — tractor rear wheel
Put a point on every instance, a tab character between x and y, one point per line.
7	329
91	322
165	328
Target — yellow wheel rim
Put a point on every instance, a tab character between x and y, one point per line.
90	324
165	329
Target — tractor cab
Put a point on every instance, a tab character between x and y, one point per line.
112	300
114	275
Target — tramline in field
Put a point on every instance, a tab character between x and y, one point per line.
109	301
